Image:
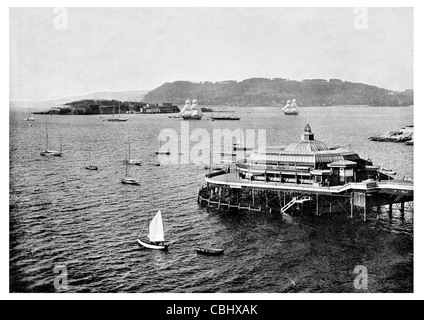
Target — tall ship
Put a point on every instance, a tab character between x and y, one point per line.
291	108
191	111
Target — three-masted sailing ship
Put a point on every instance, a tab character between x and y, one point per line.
191	111
291	108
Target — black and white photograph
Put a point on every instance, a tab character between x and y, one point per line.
198	150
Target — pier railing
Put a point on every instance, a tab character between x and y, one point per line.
229	179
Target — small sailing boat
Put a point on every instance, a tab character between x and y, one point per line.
127	179
47	152
30	118
90	165
156	237
135	162
119	119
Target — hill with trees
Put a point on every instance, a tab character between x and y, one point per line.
275	92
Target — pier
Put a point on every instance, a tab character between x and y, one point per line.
307	177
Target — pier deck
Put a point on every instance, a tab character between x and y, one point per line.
232	180
227	190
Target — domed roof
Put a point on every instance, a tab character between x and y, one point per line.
307	146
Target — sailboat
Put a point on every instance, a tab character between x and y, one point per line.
127	179
193	112
119	119
291	109
30	118
156	237
129	160
47	152
90	165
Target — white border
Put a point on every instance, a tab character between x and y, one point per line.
418	115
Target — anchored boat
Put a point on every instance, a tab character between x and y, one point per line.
130	161
156	237
48	152
127	179
90	165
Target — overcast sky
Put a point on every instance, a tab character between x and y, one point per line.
141	48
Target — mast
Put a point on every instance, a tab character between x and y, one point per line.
47	138
89	157
129	150
126	169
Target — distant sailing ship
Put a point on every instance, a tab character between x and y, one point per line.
156	235
191	111
47	152
291	108
119	119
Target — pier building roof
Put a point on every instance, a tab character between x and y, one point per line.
308	151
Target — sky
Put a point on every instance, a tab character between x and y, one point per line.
55	54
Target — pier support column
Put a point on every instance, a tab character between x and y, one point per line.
317	213
390	211
365	208
378	212
402	209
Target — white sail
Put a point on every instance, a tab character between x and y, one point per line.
294	105
288	104
156	228
196	110
186	107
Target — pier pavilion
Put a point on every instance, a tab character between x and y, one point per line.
306	175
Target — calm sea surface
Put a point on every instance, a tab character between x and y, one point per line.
62	214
